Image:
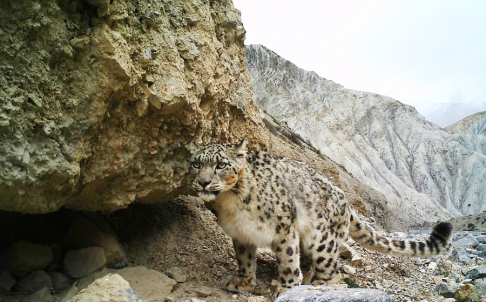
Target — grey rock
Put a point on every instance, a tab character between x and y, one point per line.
306	293
24	257
481	285
6	282
87	231
481	247
477	272
43	294
446	290
67	294
80	263
34	282
461	256
468	241
481	239
60	281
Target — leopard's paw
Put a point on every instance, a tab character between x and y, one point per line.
240	284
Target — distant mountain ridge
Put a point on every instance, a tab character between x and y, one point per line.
445	114
474	124
427	173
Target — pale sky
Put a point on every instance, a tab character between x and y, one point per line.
420	52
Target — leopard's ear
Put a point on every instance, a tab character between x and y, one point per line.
240	148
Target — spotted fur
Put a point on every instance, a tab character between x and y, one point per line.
285	204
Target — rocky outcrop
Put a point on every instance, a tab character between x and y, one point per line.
100	99
425	172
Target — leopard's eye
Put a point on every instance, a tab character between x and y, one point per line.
221	165
196	165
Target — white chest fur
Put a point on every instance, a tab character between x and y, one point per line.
240	223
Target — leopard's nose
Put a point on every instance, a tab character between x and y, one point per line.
204	184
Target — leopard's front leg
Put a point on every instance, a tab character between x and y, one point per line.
246	279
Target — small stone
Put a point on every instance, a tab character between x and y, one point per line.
34	282
80	263
203	292
257	299
79	42
346	252
432	266
356	261
348	269
477	272
24	257
176	274
6	282
170	298
445	290
439	279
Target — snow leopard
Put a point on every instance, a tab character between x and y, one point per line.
291	207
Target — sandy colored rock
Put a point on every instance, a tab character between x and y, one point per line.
111	288
111	93
177	274
348	269
468	292
357	261
150	284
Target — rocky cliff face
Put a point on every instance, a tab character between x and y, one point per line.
425	172
100	98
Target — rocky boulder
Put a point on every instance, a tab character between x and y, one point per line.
99	102
24	257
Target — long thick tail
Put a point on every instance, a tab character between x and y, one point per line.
366	236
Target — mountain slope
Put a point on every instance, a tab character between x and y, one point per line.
425	172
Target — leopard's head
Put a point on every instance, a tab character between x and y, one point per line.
217	168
